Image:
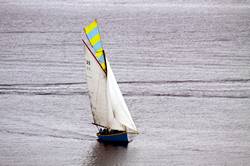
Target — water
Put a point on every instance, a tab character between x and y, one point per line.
184	70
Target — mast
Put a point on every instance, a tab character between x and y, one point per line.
105	61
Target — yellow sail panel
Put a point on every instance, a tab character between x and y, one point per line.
94	37
90	27
99	54
103	66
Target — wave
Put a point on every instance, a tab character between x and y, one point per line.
64	32
42	93
188	95
132	82
221	95
78	137
42	84
187	81
80	88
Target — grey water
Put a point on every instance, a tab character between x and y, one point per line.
182	66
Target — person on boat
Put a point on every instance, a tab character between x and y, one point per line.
101	131
104	131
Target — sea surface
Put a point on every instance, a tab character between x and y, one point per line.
183	68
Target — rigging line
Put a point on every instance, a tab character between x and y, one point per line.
94	56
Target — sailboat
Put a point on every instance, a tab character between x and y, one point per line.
109	110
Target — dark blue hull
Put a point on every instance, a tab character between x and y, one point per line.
113	138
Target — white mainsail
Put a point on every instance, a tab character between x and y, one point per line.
97	87
107	103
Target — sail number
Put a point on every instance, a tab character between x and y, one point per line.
88	65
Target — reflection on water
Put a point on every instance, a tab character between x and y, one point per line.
106	154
